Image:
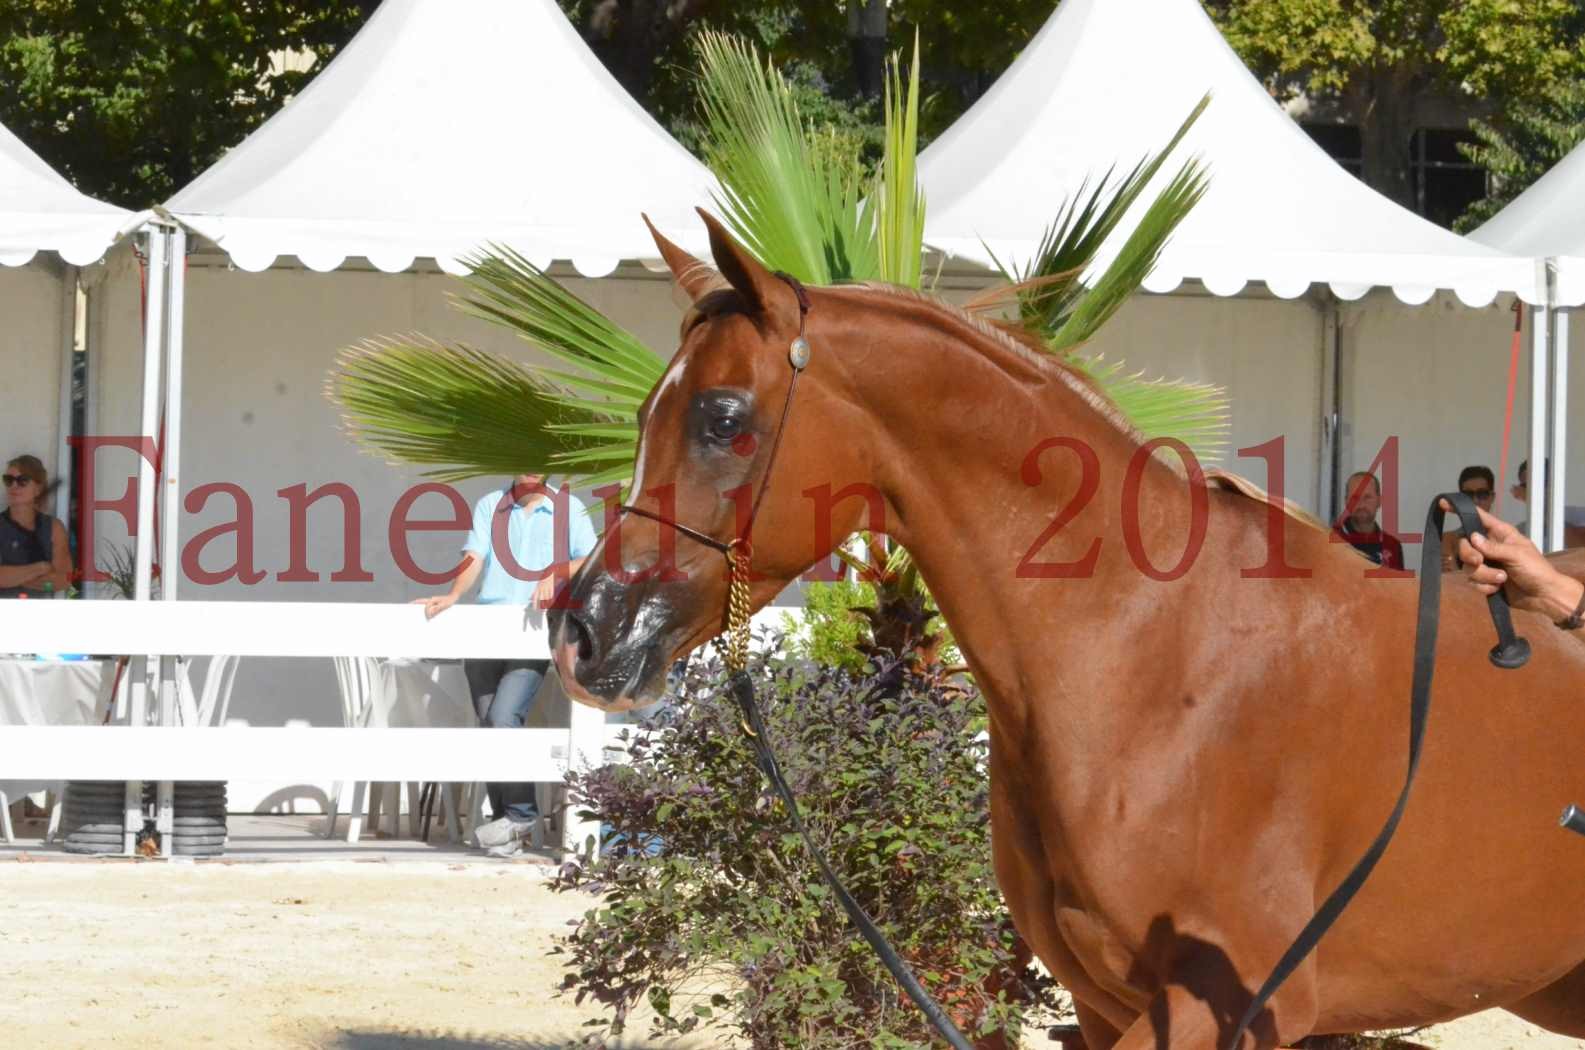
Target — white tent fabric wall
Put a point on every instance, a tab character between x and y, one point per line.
1434	377
47	230
35	300
1278	210
443	125
259	348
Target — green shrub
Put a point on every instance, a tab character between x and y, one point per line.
715	915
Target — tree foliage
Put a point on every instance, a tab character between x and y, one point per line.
1530	140
1387	63
130	99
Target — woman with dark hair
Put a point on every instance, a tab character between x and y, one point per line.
35	559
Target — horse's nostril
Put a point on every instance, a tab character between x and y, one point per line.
580	635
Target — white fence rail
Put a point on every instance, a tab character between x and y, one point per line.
167	753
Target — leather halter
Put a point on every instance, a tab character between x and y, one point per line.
740	549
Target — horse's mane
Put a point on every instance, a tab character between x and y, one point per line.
1026	346
1023	345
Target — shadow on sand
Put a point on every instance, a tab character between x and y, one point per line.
376	1039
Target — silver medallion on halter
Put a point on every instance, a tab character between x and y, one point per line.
798	354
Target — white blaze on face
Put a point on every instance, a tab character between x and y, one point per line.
671	379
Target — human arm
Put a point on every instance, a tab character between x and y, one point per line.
580	542
60	572
436	604
545	589
473	554
23	575
1505	558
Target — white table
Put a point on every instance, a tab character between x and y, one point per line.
54	692
421	694
415	694
49	692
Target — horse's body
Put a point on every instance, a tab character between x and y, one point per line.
1180	770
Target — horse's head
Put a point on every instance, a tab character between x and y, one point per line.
649	593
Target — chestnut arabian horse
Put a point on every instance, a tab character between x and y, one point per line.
1183	764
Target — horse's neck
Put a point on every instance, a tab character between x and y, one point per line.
973	508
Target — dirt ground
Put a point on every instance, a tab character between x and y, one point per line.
329	956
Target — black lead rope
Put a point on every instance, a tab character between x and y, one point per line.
1510	652
743	693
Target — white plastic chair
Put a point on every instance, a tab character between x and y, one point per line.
360	681
11	790
215	701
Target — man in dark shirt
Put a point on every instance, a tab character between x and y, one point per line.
1357	527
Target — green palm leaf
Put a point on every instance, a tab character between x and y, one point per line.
460	410
798	207
899	199
1049	289
1197	414
471	413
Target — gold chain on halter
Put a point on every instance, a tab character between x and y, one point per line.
737	615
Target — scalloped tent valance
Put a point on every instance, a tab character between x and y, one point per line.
1278	211
444	125
41	211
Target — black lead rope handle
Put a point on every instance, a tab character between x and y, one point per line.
743	693
1510	652
1574	819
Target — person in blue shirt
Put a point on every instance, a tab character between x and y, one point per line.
540	533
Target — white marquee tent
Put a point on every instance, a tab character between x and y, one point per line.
445	124
41	212
1107	81
1104	83
442	126
1547	222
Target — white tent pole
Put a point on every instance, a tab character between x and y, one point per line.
155	237
1329	454
171	502
1537	478
68	344
171	505
1559	420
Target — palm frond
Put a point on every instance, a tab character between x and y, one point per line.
460	410
507	289
1197	414
899	199
798	208
1123	277
1048	289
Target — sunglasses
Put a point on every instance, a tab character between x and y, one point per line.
1479	495
15	480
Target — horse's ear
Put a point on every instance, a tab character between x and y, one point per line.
693	276
764	293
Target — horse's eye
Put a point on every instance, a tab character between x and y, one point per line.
725	428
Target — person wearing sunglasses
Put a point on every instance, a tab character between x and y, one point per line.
1480	485
35	558
1573	516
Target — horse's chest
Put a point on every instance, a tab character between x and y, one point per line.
1106	960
